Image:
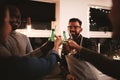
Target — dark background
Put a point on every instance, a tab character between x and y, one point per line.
38	11
41	13
99	20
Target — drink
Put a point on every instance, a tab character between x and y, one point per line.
52	35
64	37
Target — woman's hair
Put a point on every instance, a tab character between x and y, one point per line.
115	19
5	28
3	10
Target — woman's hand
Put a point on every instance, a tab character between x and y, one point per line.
70	77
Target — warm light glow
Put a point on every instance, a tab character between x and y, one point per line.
116	57
28	24
28	28
98	47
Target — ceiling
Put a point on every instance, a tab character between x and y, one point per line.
50	1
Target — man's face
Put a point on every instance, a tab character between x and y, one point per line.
74	28
15	21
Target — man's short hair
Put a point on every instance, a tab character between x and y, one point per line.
75	19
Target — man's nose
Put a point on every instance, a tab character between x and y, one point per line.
72	29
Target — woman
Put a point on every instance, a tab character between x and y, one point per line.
23	68
5	27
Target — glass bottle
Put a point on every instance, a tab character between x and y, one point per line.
64	37
52	35
49	44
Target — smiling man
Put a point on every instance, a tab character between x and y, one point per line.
75	29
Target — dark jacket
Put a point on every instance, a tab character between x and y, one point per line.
105	65
85	42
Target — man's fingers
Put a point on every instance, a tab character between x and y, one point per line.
57	36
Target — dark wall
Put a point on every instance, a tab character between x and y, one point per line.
41	13
99	20
38	11
108	46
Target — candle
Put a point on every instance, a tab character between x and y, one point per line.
28	28
98	47
28	25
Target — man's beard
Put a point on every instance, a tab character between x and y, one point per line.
74	36
15	25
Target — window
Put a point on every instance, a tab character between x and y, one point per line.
99	20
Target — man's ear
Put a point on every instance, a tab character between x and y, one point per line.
81	29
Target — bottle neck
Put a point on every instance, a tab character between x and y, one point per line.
52	35
64	37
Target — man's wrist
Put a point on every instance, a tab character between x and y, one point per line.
79	48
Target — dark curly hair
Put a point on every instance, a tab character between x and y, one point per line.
75	19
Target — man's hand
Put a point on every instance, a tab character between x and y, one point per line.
70	77
72	44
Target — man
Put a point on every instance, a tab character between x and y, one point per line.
107	66
75	29
20	41
17	43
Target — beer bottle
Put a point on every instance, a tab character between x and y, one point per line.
51	38
49	44
64	37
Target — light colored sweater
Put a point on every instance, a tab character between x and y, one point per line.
16	45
